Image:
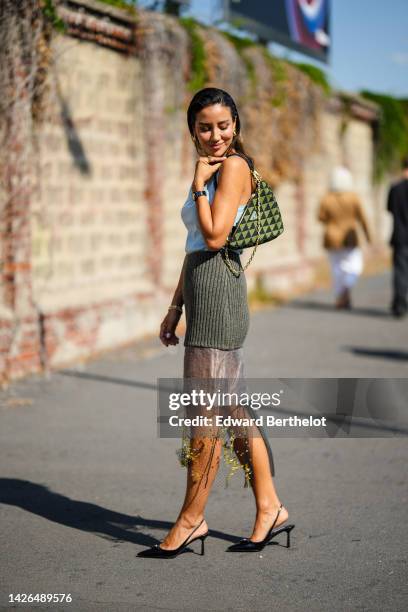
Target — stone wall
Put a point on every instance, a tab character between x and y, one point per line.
113	165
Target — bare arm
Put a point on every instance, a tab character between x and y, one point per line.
178	294
322	212
169	324
363	220
216	220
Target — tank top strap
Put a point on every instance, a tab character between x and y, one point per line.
249	162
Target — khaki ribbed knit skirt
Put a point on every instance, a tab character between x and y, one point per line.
216	302
217	323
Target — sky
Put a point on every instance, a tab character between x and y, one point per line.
369	44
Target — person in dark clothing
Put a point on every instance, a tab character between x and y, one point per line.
398	206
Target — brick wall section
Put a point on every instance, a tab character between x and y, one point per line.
106	241
20	349
91	219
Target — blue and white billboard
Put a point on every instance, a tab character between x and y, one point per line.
303	25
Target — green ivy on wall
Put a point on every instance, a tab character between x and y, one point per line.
392	132
128	5
199	75
279	76
240	45
317	75
50	12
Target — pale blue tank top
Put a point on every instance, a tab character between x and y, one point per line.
195	239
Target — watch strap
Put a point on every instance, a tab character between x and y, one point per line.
197	194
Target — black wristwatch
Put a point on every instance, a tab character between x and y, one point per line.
197	194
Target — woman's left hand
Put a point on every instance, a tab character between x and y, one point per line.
205	168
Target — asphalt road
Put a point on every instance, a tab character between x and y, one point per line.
85	482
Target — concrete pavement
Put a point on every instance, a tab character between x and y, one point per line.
85	483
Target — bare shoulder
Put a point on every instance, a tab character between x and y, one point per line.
234	166
326	199
235	161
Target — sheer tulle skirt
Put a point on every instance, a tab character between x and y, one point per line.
216	370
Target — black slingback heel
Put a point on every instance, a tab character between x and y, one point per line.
155	552
246	545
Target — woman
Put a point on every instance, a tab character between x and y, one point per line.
341	212
217	319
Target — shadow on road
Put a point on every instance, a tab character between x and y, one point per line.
110	379
365	312
335	424
114	380
113	526
380	353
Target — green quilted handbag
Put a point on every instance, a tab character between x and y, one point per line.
260	222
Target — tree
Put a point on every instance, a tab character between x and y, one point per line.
172	7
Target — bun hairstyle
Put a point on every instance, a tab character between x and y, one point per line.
208	97
341	179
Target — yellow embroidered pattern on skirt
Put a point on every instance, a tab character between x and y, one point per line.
187	455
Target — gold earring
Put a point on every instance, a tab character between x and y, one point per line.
235	133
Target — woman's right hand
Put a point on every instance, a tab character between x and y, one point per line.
168	327
205	168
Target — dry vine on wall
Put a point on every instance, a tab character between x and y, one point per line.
24	59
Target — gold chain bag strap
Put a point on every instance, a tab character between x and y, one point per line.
260	222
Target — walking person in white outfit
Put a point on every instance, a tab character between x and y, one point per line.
341	212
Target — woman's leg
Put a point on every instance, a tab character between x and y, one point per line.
266	498
335	264
353	267
201	366
339	262
201	473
